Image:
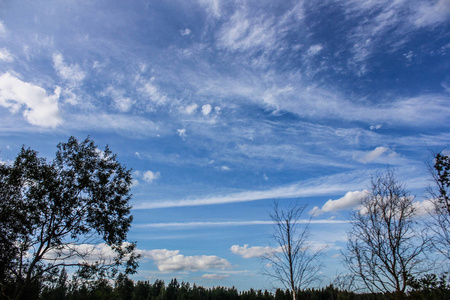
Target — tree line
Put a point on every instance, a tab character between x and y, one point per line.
429	287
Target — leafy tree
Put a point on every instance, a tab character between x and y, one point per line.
63	213
385	247
295	262
441	199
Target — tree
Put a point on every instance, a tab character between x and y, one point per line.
385	245
294	262
63	213
441	200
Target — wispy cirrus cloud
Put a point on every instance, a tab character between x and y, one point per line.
215	276
5	55
72	73
124	124
431	13
190	225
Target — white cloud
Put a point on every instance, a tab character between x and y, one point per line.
5	55
243	32
150	176
2	28
182	133
40	109
186	31
374	154
374	127
87	253
121	102
170	261
212	7
71	73
215	276
225	168
432	13
314	49
424	208
152	91
191	108
252	252
206	109
350	200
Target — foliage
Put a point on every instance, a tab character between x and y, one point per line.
385	247
430	286
63	213
441	199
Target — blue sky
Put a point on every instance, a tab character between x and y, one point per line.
220	107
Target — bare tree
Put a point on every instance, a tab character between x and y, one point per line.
385	244
294	262
441	199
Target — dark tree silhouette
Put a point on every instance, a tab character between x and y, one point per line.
63	213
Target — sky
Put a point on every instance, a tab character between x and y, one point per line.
222	107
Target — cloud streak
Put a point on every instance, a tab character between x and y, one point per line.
321	186
189	225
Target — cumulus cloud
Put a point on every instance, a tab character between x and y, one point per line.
424	208
373	155
350	200
41	109
150	176
206	109
171	260
215	276
252	252
5	55
225	168
71	73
